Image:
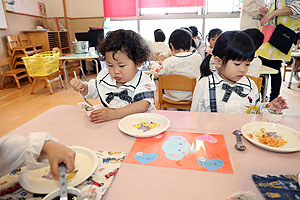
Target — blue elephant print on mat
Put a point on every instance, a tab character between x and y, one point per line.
176	147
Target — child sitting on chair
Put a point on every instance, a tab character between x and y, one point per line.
183	62
228	90
121	88
212	37
257	38
159	50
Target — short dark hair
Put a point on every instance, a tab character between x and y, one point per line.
159	35
214	32
194	31
256	36
126	41
180	39
230	45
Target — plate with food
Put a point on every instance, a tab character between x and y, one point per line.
272	137
41	181
144	124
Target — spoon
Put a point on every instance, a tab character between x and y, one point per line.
83	96
239	145
63	182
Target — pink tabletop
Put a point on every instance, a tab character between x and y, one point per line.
70	125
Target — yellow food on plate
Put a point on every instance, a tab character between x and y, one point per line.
268	138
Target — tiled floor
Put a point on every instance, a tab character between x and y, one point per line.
18	106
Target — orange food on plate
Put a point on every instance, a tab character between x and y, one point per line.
269	138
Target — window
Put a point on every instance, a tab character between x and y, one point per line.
123	24
228	6
147	27
225	24
171	10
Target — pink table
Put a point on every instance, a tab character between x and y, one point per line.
71	127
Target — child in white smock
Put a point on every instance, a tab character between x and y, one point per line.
228	90
121	88
17	151
183	62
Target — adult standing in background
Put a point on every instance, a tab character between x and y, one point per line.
250	15
288	13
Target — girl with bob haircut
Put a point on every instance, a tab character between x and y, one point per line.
121	88
228	90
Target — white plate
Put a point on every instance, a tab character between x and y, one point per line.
292	136
86	162
158	123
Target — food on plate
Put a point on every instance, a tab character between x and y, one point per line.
145	126
268	138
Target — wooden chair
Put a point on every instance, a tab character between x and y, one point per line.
175	82
50	72
72	66
17	74
16	51
257	81
25	42
286	68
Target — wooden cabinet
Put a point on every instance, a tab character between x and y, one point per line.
50	39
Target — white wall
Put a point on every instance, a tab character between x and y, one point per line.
54	8
26	6
80	8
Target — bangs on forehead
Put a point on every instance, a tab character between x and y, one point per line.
241	51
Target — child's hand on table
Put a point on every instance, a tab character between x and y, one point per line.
102	115
56	154
79	86
279	103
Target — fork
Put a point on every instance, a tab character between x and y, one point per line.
86	101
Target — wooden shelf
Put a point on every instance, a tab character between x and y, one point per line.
50	39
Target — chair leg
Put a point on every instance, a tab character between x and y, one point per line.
2	82
17	81
284	70
49	86
61	82
33	85
29	79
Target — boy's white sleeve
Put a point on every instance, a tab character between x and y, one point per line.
198	96
92	90
164	68
16	151
144	89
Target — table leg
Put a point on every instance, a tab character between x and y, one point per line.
97	69
291	77
265	87
66	74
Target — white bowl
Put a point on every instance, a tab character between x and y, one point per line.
55	193
269	115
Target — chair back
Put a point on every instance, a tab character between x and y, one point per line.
175	82
257	81
24	41
12	42
56	49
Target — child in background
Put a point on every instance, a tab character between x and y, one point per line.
16	151
200	45
183	62
257	38
228	90
159	48
121	88
212	37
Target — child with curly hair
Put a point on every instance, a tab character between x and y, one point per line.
121	88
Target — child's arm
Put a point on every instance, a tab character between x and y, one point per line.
279	103
79	86
107	114
56	154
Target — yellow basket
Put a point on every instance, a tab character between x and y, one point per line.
42	64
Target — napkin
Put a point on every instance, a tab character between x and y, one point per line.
279	187
97	184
